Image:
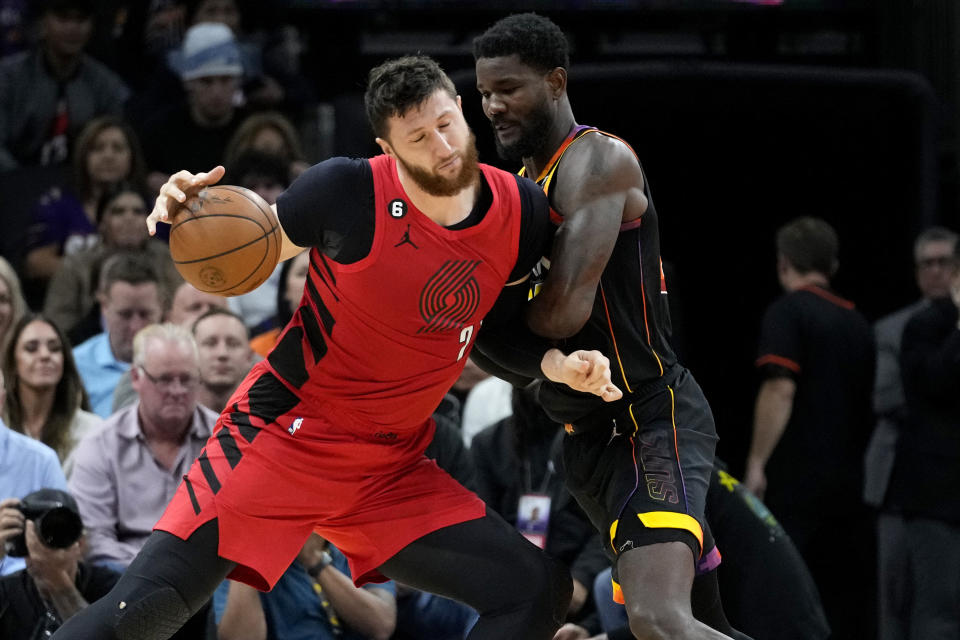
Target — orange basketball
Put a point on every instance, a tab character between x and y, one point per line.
228	247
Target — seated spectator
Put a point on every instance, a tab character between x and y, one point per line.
188	304
125	473
209	67
25	466
12	304
314	598
130	298
225	356
293	275
518	469
66	218
45	396
47	94
55	585
71	299
266	175
267	132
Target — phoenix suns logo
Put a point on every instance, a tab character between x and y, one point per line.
450	297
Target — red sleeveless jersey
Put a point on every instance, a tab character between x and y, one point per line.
381	340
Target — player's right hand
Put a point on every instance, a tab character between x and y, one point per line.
181	190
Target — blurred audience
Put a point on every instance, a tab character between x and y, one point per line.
125	473
488	401
71	299
45	396
26	465
812	420
209	67
65	220
225	356
12	304
187	304
47	94
266	175
56	583
519	468
920	525
268	132
293	275
130	298
314	598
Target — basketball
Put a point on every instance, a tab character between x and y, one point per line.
228	247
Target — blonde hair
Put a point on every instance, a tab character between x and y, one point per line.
166	332
9	276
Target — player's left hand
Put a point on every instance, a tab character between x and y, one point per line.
587	371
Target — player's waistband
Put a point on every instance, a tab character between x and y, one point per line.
602	417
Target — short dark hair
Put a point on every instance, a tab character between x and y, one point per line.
218	311
934	234
809	244
398	85
536	40
130	267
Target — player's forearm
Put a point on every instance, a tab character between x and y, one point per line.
364	611
771	414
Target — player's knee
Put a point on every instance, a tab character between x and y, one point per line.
155	615
660	621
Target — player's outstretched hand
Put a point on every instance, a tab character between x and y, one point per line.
182	189
587	371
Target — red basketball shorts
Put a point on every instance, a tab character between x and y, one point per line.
271	479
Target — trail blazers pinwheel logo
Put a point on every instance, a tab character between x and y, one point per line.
450	297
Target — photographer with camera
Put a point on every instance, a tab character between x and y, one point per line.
56	584
25	465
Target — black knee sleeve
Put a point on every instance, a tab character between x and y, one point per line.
156	615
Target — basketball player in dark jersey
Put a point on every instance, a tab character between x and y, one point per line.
640	467
408	251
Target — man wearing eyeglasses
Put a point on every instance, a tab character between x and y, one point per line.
124	474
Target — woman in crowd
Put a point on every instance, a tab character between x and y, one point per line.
269	132
45	396
107	152
12	305
71	296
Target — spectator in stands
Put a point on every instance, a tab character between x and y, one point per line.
55	585
45	396
71	299
12	304
25	466
188	303
125	473
209	66
130	298
488	401
49	93
812	420
268	132
518	461
265	174
65	220
920	576
293	275
225	356
13	27
314	598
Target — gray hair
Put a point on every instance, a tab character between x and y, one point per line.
167	332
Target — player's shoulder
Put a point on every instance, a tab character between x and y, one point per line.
599	156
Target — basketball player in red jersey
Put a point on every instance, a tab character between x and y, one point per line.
408	252
639	467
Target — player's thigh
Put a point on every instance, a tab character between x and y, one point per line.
483	562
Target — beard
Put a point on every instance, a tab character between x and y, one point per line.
532	135
437	185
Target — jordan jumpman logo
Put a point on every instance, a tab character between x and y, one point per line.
405	239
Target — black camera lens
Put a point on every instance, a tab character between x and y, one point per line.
59	528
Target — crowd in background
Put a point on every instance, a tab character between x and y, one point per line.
114	369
